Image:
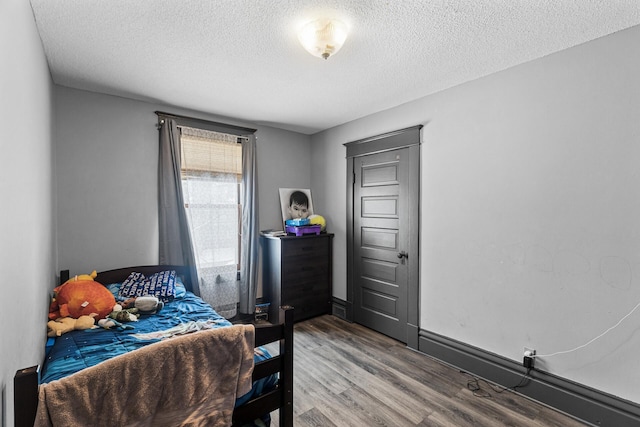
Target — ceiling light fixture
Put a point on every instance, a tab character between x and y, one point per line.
324	37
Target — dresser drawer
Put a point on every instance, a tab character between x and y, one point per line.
300	248
304	309
311	289
300	270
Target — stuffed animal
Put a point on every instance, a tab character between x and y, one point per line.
56	328
145	304
109	323
124	314
81	277
77	297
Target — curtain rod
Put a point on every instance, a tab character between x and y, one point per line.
205	124
239	138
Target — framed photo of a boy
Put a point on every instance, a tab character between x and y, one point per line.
295	203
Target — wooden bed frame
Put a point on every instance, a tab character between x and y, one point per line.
26	380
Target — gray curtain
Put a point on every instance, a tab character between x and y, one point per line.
175	239
249	250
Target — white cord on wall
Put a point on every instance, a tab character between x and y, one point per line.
586	344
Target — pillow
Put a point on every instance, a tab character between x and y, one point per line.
114	288
161	285
181	290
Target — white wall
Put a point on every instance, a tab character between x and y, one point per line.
107	154
529	222
27	250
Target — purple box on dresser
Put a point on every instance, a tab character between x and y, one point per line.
305	229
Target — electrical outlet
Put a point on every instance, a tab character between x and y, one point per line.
529	358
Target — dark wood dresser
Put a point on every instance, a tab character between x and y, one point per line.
297	272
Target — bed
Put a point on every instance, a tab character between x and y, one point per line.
81	366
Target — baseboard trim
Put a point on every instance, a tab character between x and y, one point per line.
413	336
584	403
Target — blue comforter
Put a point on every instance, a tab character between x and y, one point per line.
77	350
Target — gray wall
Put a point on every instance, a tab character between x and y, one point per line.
107	154
27	252
107	157
529	218
529	210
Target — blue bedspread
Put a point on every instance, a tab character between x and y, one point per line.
77	350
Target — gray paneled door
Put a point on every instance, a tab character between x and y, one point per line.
383	204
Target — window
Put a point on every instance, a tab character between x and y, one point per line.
211	170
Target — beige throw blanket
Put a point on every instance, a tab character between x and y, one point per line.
191	380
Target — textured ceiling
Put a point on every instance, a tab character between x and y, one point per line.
242	59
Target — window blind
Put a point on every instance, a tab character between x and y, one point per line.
209	152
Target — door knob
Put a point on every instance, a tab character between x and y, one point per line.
403	254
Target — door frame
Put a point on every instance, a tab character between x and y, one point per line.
403	138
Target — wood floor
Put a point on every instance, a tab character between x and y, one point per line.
348	375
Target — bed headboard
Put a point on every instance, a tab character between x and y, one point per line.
118	275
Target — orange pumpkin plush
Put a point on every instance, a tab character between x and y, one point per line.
76	298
